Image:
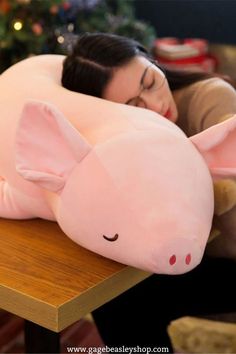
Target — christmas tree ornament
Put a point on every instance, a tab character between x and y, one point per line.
54	9
37	29
4	7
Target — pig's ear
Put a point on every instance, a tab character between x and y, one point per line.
47	146
217	145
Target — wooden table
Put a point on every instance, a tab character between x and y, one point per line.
52	282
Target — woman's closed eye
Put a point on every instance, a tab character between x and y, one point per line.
148	80
154	79
151	80
150	86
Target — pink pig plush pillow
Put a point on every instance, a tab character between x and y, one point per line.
121	181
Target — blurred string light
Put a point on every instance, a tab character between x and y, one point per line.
60	39
17	25
71	27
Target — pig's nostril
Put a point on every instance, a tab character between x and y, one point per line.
188	259
172	260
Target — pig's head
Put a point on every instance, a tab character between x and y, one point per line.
144	197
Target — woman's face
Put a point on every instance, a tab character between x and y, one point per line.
140	83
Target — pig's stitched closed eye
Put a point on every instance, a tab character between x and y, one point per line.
111	239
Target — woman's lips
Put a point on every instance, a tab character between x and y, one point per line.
168	114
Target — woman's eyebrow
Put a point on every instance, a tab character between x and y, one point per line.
141	83
144	74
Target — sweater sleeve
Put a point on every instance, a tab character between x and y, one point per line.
204	104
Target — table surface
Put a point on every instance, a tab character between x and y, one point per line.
48	279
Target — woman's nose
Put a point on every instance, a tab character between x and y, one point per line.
153	102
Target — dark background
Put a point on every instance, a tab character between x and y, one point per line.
214	20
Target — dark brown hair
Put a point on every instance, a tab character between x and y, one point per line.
90	65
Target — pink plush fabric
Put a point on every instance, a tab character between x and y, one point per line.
121	181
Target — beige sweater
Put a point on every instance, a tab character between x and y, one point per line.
200	106
204	104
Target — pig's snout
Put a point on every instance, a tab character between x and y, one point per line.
179	256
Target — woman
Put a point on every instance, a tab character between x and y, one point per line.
121	70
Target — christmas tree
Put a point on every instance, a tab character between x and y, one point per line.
31	27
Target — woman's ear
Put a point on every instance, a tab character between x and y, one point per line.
47	146
217	145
